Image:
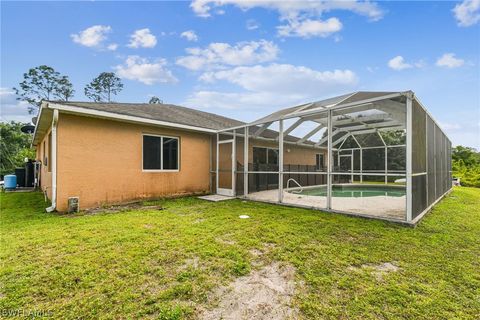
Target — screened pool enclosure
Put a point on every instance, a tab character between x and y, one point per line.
374	154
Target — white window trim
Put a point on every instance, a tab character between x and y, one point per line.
161	153
323	164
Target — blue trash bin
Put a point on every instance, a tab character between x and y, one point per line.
10	182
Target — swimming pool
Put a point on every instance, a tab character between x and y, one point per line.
354	191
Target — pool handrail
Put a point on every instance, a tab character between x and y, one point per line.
298	184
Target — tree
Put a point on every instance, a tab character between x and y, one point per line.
155	100
65	89
466	166
43	83
103	87
14	146
469	156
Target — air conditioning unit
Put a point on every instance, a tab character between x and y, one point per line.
73	204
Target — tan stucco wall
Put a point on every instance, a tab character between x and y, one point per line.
45	176
100	161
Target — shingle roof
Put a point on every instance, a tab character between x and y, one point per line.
172	113
162	112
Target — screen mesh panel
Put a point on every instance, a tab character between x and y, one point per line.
445	164
396	160
431	160
419	164
373	160
419	195
438	162
356	160
449	164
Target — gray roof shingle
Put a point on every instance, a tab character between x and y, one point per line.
161	112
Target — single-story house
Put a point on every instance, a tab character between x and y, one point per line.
376	154
107	153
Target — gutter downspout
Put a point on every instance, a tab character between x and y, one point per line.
54	161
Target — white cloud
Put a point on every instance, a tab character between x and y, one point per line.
467	13
251	24
298	14
190	35
142	38
11	109
398	63
289	9
448	60
219	55
94	37
281	78
310	28
447	126
112	46
272	85
140	69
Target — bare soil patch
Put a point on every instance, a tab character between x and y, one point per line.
114	209
379	271
263	294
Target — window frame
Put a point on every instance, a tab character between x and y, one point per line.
317	156
161	136
267	149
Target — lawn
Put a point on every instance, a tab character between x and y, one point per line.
164	264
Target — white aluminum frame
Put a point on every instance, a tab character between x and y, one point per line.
356	129
225	191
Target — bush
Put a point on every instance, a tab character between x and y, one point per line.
14	147
466	166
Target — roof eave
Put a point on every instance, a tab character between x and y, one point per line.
125	118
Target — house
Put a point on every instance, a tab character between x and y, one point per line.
373	154
106	153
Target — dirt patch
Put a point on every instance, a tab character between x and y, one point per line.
256	253
226	241
379	271
116	209
263	294
191	263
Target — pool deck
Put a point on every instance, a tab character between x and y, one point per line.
377	206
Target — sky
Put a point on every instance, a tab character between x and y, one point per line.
245	60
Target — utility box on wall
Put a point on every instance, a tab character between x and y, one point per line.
73	204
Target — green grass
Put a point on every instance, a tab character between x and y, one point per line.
137	264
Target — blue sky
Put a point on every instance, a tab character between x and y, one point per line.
247	59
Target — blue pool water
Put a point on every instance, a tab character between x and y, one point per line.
354	191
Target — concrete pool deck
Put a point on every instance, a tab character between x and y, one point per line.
377	206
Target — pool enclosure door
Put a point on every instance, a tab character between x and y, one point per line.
225	168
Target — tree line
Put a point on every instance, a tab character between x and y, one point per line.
45	83
466	166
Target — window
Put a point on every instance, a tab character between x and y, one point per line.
160	153
170	153
319	161
265	155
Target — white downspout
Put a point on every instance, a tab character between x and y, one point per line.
54	161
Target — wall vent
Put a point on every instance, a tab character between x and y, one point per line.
73	204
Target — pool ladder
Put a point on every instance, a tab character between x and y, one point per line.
298	184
